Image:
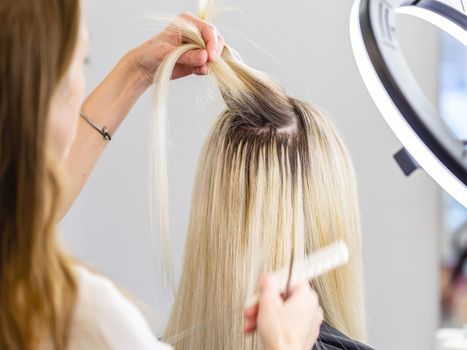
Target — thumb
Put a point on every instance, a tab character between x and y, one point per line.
194	58
269	287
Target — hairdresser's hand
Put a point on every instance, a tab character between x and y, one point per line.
292	324
149	55
111	101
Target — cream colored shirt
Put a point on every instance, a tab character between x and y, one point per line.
105	319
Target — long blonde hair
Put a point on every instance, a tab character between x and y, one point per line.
273	175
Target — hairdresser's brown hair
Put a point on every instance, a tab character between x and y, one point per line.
37	286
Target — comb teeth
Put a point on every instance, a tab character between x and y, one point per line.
318	263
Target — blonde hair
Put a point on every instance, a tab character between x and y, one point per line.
273	175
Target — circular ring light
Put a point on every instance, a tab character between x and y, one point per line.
428	142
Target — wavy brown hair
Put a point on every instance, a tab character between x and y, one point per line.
37	286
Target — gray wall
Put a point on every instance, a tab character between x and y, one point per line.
108	225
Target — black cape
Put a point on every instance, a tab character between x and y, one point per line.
332	339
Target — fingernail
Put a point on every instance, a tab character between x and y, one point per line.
214	55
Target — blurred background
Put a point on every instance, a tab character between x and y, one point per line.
453	106
413	236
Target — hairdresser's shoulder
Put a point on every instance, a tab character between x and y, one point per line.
105	319
331	339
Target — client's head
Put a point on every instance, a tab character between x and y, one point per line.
273	175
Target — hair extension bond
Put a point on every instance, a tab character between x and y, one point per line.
273	177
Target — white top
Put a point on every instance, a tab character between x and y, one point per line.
105	319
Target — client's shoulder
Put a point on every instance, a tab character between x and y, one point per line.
331	339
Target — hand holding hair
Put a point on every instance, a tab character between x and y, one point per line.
148	56
291	324
109	104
